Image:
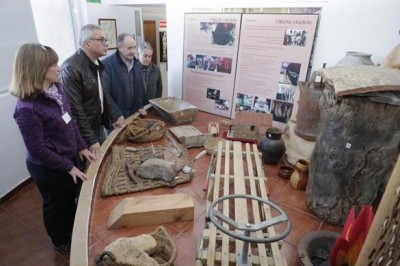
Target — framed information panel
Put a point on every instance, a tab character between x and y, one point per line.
274	55
210	53
246	62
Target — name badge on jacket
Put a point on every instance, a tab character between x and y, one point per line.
66	117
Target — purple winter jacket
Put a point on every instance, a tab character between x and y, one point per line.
49	140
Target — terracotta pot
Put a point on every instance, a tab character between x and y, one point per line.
299	178
285	171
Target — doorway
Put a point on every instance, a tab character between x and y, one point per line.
149	28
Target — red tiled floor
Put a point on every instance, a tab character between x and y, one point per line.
24	240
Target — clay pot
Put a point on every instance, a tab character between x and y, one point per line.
355	58
285	171
272	146
313	242
299	177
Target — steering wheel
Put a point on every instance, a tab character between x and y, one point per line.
215	215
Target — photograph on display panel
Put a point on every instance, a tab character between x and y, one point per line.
244	102
261	105
295	37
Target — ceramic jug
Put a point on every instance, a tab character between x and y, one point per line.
355	58
272	146
299	178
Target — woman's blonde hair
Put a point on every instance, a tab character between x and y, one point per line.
31	63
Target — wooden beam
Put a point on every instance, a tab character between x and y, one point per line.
158	209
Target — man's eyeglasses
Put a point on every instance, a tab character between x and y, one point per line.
102	39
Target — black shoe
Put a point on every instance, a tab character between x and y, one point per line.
64	248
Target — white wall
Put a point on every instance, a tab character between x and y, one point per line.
12	151
358	25
124	16
17	27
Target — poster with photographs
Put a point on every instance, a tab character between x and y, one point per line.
258	74
273	56
210	55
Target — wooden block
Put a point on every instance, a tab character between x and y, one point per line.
148	210
190	136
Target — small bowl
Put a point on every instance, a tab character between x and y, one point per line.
285	171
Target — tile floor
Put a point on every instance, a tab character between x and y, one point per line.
24	240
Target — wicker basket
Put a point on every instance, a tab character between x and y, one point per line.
144	130
165	255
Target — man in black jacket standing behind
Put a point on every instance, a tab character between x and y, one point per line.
82	78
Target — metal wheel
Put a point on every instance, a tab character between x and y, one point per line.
215	215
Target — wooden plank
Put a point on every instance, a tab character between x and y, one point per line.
156	209
213	235
225	237
267	211
256	214
240	188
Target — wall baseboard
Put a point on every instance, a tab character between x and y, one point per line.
15	190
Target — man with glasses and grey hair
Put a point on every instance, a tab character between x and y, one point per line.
82	78
121	80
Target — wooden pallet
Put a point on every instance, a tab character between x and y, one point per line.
238	172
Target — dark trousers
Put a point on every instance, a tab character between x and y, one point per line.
58	191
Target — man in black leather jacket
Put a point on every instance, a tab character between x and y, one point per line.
82	78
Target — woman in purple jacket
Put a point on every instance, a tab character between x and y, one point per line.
51	137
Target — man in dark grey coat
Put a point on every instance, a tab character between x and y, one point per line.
150	74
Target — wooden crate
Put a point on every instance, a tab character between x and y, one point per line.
190	136
241	173
175	110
